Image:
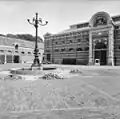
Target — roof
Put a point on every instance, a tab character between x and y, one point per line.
82	26
22	43
47	34
71	30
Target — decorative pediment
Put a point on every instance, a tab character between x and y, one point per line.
99	19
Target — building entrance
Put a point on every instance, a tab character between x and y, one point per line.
100	53
69	61
48	57
16	59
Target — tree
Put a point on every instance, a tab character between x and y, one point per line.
27	37
2	35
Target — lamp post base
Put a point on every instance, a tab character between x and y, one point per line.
36	65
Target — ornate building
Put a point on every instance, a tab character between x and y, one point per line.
18	51
86	43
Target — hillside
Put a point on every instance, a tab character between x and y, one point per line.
27	37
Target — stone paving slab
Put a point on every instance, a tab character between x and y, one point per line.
85	113
78	87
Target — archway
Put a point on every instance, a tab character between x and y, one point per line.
100	18
101	53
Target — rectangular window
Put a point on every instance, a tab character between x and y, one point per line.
1	50
56	50
16	51
78	40
63	42
70	41
48	43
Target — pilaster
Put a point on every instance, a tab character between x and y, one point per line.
111	47
90	49
5	62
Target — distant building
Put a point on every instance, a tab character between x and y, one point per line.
18	51
96	41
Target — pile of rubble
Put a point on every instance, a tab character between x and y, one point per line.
76	71
52	76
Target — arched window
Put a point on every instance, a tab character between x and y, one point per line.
9	51
62	50
29	53
16	51
79	49
16	46
1	50
71	49
23	52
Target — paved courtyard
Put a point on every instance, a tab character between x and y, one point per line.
94	92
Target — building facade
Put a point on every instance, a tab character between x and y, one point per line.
18	51
86	43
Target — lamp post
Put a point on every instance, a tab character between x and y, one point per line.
35	22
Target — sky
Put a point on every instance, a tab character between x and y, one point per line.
60	14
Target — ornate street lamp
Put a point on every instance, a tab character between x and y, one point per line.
35	22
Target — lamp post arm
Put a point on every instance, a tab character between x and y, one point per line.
41	24
30	22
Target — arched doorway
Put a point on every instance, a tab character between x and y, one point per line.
101	53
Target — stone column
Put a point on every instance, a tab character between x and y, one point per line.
12	56
90	49
5	62
111	47
52	50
